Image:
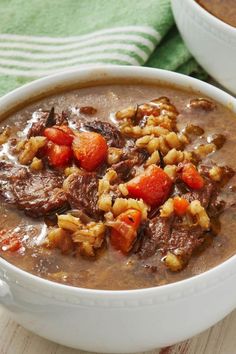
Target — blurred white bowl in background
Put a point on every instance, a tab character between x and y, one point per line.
211	41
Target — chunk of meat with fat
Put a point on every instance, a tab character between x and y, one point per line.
124	169
112	135
204	194
203	104
46	119
164	235
209	195
185	240
155	236
38	194
170	235
81	190
137	155
131	159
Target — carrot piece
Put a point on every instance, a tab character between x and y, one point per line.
90	149
124	230
58	155
153	186
14	245
149	110
11	243
180	206
192	177
61	135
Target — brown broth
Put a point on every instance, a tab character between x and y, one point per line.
224	10
111	270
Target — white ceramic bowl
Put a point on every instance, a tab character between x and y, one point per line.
117	321
211	41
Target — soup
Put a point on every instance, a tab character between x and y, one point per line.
118	186
224	10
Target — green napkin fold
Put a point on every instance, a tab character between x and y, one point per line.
38	38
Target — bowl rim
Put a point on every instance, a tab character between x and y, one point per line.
10	272
215	21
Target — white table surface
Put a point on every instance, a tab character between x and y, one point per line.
220	339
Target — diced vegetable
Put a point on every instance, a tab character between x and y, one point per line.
180	206
147	110
12	244
90	149
9	242
58	155
191	176
124	231
153	186
61	135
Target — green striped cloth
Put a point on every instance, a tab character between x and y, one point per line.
42	37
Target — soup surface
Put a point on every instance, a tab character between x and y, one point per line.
133	215
224	10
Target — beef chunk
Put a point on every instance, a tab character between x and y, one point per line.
47	119
131	158
108	131
228	173
185	239
81	190
38	194
88	110
202	104
216	205
209	194
194	130
138	156
155	236
218	139
124	169
163	235
180	188
204	194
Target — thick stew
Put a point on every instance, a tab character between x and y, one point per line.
118	186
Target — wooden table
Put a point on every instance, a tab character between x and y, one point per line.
220	339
